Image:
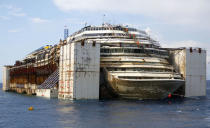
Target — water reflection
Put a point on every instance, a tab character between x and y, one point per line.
188	112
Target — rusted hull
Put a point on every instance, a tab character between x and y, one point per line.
144	89
31	75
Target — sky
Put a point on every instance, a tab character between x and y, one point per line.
26	25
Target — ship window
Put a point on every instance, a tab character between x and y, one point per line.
83	43
136	50
164	53
155	51
117	50
143	51
106	50
94	43
146	51
150	51
127	50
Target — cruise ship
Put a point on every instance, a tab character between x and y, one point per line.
132	64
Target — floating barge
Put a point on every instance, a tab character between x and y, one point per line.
109	61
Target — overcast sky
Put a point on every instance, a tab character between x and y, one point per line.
26	25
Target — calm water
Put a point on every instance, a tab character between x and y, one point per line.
182	113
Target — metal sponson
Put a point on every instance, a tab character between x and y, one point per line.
51	81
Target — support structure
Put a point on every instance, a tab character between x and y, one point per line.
47	93
6	78
191	63
79	70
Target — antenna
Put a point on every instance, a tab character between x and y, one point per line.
66	32
103	19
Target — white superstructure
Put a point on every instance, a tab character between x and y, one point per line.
130	55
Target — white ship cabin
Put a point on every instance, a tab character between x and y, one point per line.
108	31
134	52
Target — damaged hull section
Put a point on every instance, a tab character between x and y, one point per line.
144	89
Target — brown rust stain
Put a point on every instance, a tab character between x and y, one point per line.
31	75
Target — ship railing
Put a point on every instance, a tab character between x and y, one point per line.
25	65
95	37
105	36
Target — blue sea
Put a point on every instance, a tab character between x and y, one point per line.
54	113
